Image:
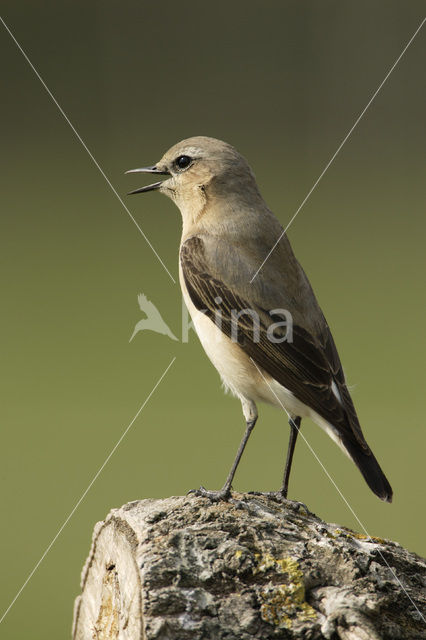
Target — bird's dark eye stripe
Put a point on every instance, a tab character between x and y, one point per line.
183	162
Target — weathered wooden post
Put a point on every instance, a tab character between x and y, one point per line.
185	568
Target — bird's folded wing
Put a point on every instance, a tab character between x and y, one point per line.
306	366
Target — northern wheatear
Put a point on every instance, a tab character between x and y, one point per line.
228	231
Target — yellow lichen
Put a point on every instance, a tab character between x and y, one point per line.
284	603
348	533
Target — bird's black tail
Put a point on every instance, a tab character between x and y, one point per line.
370	469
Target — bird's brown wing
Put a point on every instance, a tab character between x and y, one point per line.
307	366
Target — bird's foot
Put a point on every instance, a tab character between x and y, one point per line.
280	497
214	496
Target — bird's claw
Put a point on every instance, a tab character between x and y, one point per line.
214	496
279	497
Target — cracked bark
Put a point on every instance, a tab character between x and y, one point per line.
185	568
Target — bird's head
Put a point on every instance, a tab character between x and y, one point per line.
200	168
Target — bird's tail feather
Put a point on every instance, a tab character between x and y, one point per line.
370	469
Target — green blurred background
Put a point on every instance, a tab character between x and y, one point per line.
283	82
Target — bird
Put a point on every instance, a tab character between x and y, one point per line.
236	264
153	321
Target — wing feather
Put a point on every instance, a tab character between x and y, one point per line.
307	366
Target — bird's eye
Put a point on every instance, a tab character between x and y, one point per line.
182	162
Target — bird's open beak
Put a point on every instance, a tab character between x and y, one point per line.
149	187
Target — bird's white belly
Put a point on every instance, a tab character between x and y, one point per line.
235	368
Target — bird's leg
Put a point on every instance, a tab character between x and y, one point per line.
250	414
294	432
281	495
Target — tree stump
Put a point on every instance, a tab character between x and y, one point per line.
186	568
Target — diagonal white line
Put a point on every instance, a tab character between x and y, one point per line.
80	500
80	139
341	495
335	154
